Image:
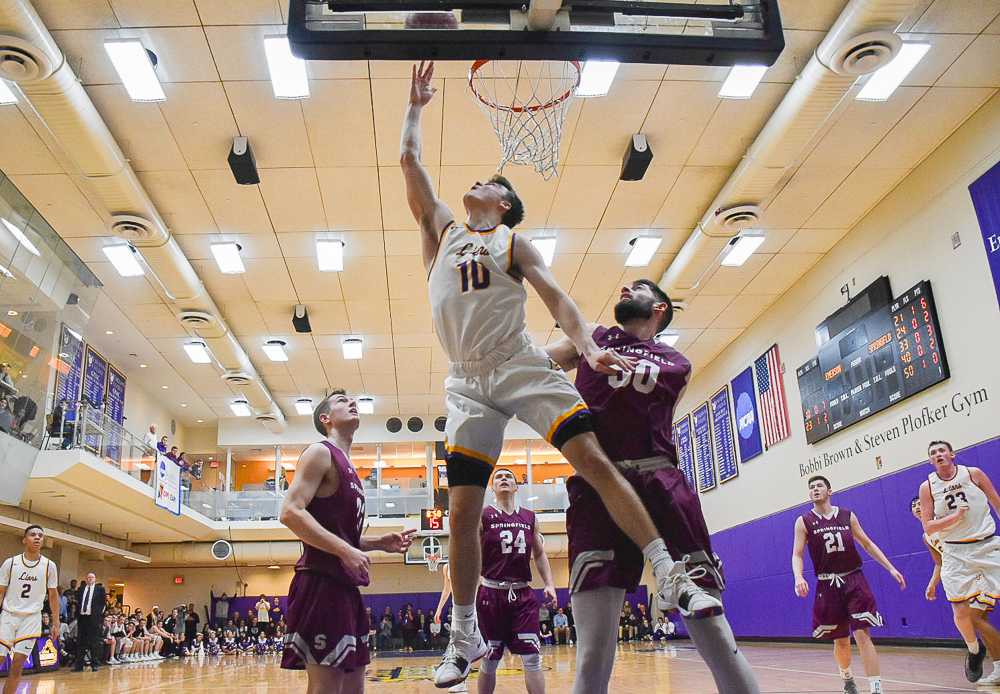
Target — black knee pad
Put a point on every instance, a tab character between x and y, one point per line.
579	423
466	471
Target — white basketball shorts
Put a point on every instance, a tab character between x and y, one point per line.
970	572
18	633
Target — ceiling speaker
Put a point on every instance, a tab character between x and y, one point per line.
414	424
393	425
440	423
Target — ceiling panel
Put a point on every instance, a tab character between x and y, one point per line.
61	203
407	276
239	50
734	126
701	311
634	204
978	66
276	127
389	97
369	316
326	317
731	280
856	195
804	192
958	16
132	13
678	116
779	274
352	198
239	11
690	195
582	196
21	150
139	129
201	121
179	201
813	240
75	14
236	208
605	125
743	310
311	284
467	135
349	138
292	199
198	246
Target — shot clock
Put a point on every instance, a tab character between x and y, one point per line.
432	520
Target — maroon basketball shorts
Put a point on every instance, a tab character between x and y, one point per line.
843	603
327	624
600	554
506	623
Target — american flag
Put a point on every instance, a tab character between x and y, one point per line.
771	395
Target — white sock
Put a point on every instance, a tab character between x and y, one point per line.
973	646
463	618
846	674
875	685
996	666
657	555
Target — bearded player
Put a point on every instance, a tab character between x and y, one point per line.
476	274
633	418
325	508
25	580
955	508
844	603
506	605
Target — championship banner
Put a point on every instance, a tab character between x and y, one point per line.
722	432
985	192
167	485
704	459
747	421
685	454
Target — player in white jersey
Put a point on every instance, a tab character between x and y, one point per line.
955	507
24	580
475	273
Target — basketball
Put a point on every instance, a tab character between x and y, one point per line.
431	20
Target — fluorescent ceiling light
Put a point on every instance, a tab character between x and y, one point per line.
741	250
669	339
6	273
366	405
546	245
390	504
123	257
883	82
132	63
330	255
742	81
275	350
21	238
288	73
353	347
596	77
227	257
643	250
240	408
274	567
304	406
198	352
6	94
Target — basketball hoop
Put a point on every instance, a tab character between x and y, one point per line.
527	108
433	560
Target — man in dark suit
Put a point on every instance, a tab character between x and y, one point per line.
91	599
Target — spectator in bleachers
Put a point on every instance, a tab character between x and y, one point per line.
253	626
421	629
276	614
409	629
560	626
6	417
238	622
385	633
191	621
162	445
263	608
150	437
544	615
545	634
388	613
221	608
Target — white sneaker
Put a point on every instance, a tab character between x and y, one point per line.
678	591
992	678
112	661
463	650
462	688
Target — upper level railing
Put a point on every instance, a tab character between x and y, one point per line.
96	433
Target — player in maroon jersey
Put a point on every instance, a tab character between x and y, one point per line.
844	602
633	419
325	508
506	605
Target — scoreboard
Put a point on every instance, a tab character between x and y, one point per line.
432	519
873	354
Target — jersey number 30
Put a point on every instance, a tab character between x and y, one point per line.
508	542
474	275
643	378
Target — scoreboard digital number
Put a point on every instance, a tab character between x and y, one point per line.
885	356
432	520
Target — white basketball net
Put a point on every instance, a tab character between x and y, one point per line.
433	561
526	103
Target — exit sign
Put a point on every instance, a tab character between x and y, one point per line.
178	580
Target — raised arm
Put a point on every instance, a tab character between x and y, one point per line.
798	549
431	214
313	467
875	551
932	525
529	263
544	568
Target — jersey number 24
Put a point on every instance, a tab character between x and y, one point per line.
508	542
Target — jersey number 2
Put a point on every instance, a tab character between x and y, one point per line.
508	542
643	378
25	591
474	275
834	542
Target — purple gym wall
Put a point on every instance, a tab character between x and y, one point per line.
756	557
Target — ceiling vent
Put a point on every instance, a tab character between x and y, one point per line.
865	53
733	220
132	227
196	319
221	550
237	378
21	61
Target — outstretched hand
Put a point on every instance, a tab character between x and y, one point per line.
607	361
397	542
421	91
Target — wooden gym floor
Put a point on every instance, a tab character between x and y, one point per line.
640	669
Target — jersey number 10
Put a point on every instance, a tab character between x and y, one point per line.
474	274
508	542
